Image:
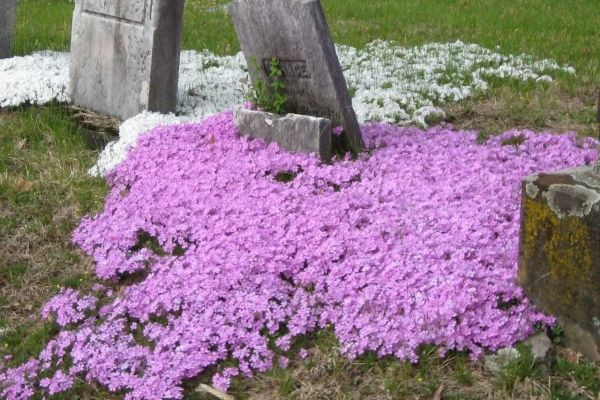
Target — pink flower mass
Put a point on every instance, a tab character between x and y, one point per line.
413	243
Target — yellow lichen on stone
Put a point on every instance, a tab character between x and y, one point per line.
559	246
534	217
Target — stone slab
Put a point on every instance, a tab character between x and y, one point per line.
8	17
296	33
125	55
559	257
293	132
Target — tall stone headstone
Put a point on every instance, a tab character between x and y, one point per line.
125	55
8	16
295	32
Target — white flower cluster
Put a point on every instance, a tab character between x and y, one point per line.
209	84
129	131
35	79
403	85
388	83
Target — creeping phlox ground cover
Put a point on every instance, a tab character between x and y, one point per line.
219	251
389	83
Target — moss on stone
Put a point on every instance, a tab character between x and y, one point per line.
561	248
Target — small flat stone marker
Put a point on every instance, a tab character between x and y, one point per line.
8	17
295	32
293	132
125	55
559	257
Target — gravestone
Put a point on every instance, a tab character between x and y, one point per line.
8	16
559	255
295	32
125	55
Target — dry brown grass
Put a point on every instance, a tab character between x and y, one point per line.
552	109
328	375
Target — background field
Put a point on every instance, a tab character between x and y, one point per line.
559	29
45	191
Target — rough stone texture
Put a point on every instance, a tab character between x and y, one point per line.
495	363
8	16
293	132
540	345
559	260
296	33
125	55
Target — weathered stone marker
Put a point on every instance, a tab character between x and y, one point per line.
125	55
8	17
293	132
559	260
295	32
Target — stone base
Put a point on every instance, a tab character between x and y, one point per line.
559	258
8	16
293	132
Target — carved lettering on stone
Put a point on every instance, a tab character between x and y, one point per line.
291	69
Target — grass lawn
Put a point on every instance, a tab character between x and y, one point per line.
45	191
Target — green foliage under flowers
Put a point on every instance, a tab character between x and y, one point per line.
270	96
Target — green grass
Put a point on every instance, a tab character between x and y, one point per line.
326	374
45	191
563	30
523	367
42	25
